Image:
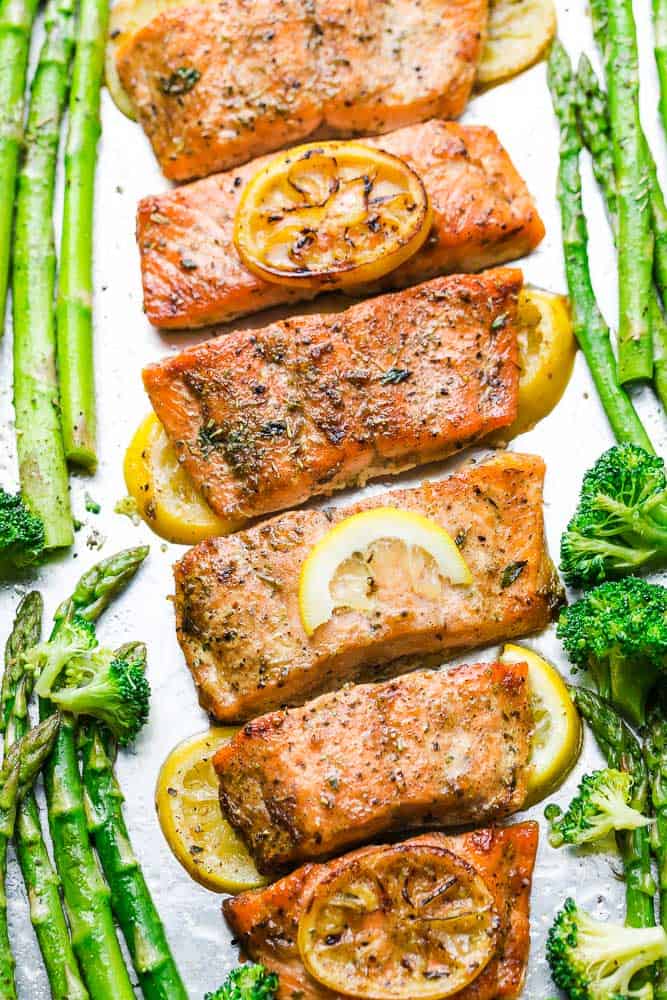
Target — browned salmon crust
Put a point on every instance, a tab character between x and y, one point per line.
483	215
266	920
237	612
265	419
445	748
216	84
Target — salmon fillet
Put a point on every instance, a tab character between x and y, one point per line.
436	748
215	84
266	920
264	419
237	613
483	215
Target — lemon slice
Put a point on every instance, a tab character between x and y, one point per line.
331	215
557	732
408	922
518	34
166	497
356	556
188	807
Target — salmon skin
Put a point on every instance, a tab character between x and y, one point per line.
435	748
266	920
215	84
483	215
265	419
237	613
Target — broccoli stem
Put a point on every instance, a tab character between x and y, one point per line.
590	328
74	311
623	751
655	751
41	882
41	455
16	20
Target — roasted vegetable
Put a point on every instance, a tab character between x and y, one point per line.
76	637
247	982
600	806
21	533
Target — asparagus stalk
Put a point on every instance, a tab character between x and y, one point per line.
42	466
660	50
655	751
97	588
595	128
41	881
590	328
635	237
623	751
16	18
74	312
19	770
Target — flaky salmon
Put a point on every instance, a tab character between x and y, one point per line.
264	419
216	84
266	920
237	610
483	215
432	748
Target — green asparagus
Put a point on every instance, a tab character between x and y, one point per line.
16	19
589	326
617	38
41	881
19	770
42	465
660	50
74	312
622	751
655	750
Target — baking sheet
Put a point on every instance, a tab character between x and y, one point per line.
569	440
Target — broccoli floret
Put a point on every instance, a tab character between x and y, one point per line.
74	638
110	688
618	631
600	806
247	982
591	960
621	521
21	533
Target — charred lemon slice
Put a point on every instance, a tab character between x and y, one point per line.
407	922
188	808
557	732
166	497
371	552
331	214
518	34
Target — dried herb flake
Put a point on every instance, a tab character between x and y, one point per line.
394	376
181	81
512	572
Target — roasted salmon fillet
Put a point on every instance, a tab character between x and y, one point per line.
266	920
432	748
216	84
264	419
483	215
237	612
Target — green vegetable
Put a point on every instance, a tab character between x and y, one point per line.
590	960
21	533
42	466
74	310
16	19
590	328
660	50
75	638
655	752
247	982
599	807
620	524
618	632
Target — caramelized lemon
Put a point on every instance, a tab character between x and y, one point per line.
188	807
407	922
344	568
518	34
331	214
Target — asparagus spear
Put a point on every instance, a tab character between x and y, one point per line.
74	311
655	751
41	881
623	751
86	894
589	326
16	18
19	770
660	50
595	128
618	41
42	464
